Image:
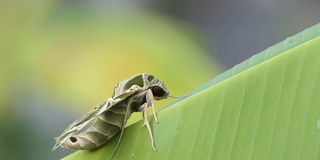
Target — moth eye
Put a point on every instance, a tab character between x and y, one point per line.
73	139
157	91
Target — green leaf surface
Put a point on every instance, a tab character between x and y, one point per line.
267	107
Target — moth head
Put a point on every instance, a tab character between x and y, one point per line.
159	92
158	89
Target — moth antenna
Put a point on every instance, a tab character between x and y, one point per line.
177	96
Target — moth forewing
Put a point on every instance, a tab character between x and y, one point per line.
134	94
77	125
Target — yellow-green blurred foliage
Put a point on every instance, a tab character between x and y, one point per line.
61	58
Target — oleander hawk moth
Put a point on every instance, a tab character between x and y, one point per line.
134	94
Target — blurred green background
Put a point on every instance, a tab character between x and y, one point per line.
59	59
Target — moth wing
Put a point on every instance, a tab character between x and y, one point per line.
77	125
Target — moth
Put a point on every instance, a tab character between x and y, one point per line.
134	94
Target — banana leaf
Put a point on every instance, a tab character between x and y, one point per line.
267	107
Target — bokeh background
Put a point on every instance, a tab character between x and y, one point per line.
59	59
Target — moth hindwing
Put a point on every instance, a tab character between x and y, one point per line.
134	94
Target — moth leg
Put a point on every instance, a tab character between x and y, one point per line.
121	134
146	122
150	102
